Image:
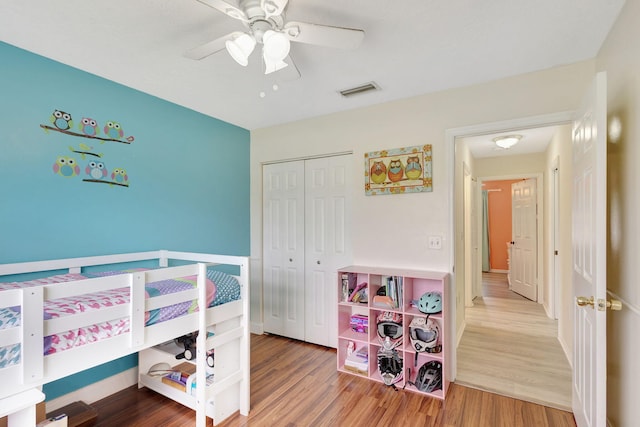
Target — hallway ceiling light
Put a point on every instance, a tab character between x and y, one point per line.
507	141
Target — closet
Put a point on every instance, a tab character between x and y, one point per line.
306	238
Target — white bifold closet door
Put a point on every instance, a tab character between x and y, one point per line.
306	238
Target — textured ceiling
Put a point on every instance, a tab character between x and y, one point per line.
411	47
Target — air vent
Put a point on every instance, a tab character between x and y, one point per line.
359	89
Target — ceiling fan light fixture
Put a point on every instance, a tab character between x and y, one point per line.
507	141
273	66
240	48
276	46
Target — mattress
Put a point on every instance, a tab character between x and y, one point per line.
221	288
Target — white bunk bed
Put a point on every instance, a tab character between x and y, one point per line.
223	328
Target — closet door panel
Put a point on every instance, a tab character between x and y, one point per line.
283	249
327	242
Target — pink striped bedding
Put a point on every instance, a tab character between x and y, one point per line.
10	316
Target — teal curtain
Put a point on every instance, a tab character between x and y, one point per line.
485	231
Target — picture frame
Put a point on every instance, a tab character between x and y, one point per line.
398	170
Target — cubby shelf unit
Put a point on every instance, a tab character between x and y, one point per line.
412	284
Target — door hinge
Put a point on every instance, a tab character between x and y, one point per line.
555	252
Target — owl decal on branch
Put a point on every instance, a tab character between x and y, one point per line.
91	161
62	121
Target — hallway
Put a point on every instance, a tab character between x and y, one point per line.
510	347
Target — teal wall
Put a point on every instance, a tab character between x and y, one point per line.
188	176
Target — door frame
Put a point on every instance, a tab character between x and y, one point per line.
456	307
554	277
539	177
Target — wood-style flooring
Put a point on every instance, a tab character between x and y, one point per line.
510	346
295	384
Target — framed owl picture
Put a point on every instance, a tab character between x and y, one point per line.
398	171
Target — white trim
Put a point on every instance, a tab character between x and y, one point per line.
257	328
566	349
96	391
317	156
554	297
495	270
460	332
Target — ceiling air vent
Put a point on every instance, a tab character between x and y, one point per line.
367	87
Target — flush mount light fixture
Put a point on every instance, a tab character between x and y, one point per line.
507	141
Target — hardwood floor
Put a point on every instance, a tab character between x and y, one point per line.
510	347
296	384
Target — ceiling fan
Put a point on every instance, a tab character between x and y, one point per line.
265	24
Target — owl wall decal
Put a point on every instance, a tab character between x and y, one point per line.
89	126
378	172
96	170
61	120
396	170
413	170
113	130
66	166
119	175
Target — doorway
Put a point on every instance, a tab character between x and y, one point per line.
464	155
514	231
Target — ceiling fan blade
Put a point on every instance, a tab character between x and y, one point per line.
212	47
226	8
291	72
273	7
324	35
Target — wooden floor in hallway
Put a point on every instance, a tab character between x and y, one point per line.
510	347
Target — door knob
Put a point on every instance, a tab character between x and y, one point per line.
603	304
613	304
584	301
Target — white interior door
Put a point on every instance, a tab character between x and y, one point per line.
589	257
283	248
524	229
327	243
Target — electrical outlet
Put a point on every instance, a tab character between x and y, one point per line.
435	242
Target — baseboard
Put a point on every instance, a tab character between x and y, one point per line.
547	310
495	270
460	332
96	391
565	349
256	328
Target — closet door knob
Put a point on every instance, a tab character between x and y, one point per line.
318	262
290	259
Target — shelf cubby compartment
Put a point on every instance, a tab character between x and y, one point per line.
411	370
343	353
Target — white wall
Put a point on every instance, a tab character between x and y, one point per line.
620	58
510	166
392	230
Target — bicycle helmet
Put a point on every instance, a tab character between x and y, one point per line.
389	325
424	334
429	377
389	363
430	303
